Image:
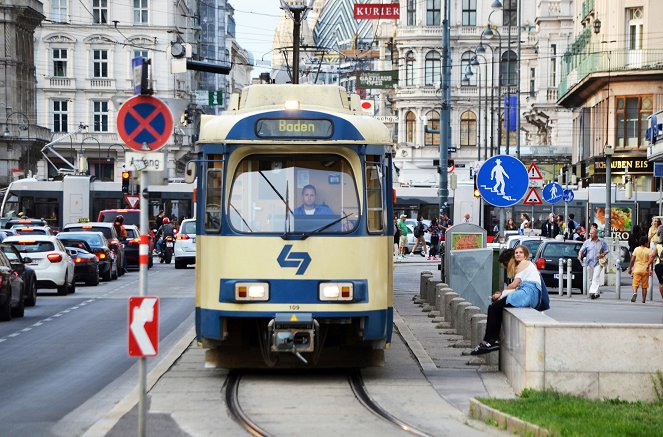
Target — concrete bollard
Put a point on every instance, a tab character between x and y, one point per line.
440	291
423	281
478	322
430	290
468	313
445	310
451	311
459	317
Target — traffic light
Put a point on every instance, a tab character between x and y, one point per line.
477	193
125	182
187	118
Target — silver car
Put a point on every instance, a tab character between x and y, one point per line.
185	244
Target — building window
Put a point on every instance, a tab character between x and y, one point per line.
60	62
140	11
433	124
635	28
469	12
532	82
508	68
432	12
100	116
409	69
100	11
631	120
411	12
465	66
59	11
410	125
141	54
99	63
510	12
553	66
433	68
60	115
102	170
468	129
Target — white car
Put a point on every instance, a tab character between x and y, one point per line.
50	261
185	244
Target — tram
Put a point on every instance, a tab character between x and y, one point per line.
294	245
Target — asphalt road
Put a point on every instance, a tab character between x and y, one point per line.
66	362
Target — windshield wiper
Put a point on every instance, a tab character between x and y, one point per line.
240	216
305	235
276	191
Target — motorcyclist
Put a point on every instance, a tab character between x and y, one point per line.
166	230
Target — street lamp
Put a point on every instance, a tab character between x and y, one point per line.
475	61
90	138
489	33
108	158
25	126
468	74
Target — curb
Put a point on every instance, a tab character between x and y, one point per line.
106	423
505	421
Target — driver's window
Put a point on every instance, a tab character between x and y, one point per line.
213	199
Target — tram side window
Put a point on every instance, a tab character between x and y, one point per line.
213	200
374	204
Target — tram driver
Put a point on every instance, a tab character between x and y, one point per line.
308	206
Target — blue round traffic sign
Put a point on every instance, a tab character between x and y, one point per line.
144	123
502	180
568	196
552	192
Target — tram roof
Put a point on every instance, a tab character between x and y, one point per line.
327	101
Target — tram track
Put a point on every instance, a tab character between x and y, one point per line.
354	380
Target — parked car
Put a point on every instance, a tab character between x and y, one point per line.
132	247
49	259
532	243
12	294
108	229
547	261
185	244
99	247
131	216
86	263
26	273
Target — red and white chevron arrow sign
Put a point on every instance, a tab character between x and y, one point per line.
143	326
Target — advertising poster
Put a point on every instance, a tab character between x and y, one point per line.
466	241
621	222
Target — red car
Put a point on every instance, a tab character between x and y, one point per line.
131	216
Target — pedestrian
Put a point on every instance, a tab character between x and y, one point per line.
466	216
444	223
419	232
656	260
571	225
594	254
525	291
640	268
550	229
511	225
397	237
524	223
434	230
158	220
652	234
402	243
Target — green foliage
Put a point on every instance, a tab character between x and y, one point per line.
573	416
658	385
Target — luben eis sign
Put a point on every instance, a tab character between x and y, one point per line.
619	165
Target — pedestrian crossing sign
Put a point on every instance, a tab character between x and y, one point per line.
532	197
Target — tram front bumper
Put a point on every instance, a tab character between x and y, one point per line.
292	332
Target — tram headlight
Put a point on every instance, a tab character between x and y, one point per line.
252	291
336	291
291	104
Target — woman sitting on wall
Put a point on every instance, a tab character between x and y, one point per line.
525	291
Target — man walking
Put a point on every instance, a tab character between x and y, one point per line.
594	254
402	244
550	228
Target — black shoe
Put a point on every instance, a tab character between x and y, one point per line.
484	348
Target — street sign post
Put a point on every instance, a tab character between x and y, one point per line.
502	180
132	200
568	196
155	161
144	123
143	326
533	172
552	193
532	197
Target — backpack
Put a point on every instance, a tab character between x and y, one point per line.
544	299
418	230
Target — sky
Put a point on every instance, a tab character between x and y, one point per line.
256	21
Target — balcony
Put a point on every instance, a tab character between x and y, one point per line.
576	68
62	83
101	83
419	32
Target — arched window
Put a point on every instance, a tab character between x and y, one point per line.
508	68
409	69
465	61
410	125
468	129
433	68
434	124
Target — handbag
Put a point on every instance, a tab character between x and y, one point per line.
603	261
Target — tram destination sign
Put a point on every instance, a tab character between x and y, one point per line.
294	128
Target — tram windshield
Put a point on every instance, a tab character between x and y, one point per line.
279	194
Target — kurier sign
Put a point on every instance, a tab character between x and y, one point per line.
365	11
377	79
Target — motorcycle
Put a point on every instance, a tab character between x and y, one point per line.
168	247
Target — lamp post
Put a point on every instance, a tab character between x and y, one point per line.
21	127
468	74
445	112
108	158
489	33
480	50
475	61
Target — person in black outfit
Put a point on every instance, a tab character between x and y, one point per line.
550	228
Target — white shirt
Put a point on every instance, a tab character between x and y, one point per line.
529	273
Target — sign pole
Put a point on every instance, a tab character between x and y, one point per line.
143	259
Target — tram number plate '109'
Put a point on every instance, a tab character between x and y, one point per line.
293	128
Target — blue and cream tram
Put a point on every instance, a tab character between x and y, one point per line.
294	262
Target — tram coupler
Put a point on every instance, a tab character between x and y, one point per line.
293	332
